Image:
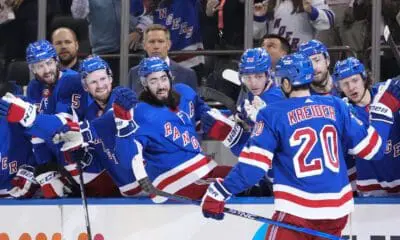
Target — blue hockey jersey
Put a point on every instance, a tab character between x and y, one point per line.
15	150
379	178
300	138
65	95
171	150
103	129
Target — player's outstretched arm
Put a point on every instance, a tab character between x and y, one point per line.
254	162
371	144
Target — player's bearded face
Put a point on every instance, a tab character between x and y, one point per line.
353	87
255	82
99	85
159	85
320	65
46	71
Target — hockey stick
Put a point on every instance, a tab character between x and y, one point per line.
147	186
211	93
389	39
231	76
84	200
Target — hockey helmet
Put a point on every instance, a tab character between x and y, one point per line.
254	60
313	47
348	67
92	64
39	51
296	67
151	65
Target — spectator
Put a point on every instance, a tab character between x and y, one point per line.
296	20
105	28
66	44
350	25
156	43
182	19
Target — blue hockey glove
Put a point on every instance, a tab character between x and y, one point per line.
221	128
213	201
125	100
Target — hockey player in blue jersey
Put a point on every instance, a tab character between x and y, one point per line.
375	178
300	139
318	53
163	128
97	81
254	73
16	158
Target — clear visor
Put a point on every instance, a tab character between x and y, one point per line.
43	65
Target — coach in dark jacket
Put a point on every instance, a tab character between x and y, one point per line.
156	42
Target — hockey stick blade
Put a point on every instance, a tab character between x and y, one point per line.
147	186
389	39
211	93
231	76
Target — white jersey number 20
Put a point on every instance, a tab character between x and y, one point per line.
307	138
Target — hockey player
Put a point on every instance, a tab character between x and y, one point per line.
54	91
96	80
318	53
375	178
297	21
300	139
16	158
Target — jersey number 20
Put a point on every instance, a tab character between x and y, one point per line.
307	138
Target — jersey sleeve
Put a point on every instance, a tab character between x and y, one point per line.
366	142
71	96
255	159
321	16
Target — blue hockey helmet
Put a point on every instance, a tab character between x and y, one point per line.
348	67
313	47
92	64
150	65
39	51
254	60
296	67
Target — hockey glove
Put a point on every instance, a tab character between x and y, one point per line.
123	105
71	137
52	184
221	128
17	110
24	183
386	101
213	201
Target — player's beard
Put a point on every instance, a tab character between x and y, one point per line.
56	76
172	101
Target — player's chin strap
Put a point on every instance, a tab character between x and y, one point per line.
147	186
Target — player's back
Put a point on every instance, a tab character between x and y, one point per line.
309	167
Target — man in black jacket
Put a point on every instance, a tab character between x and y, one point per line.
156	43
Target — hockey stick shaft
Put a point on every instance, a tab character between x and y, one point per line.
147	186
84	200
389	39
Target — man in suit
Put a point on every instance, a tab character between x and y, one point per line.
156	43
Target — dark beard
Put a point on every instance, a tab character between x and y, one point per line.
66	62
172	101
